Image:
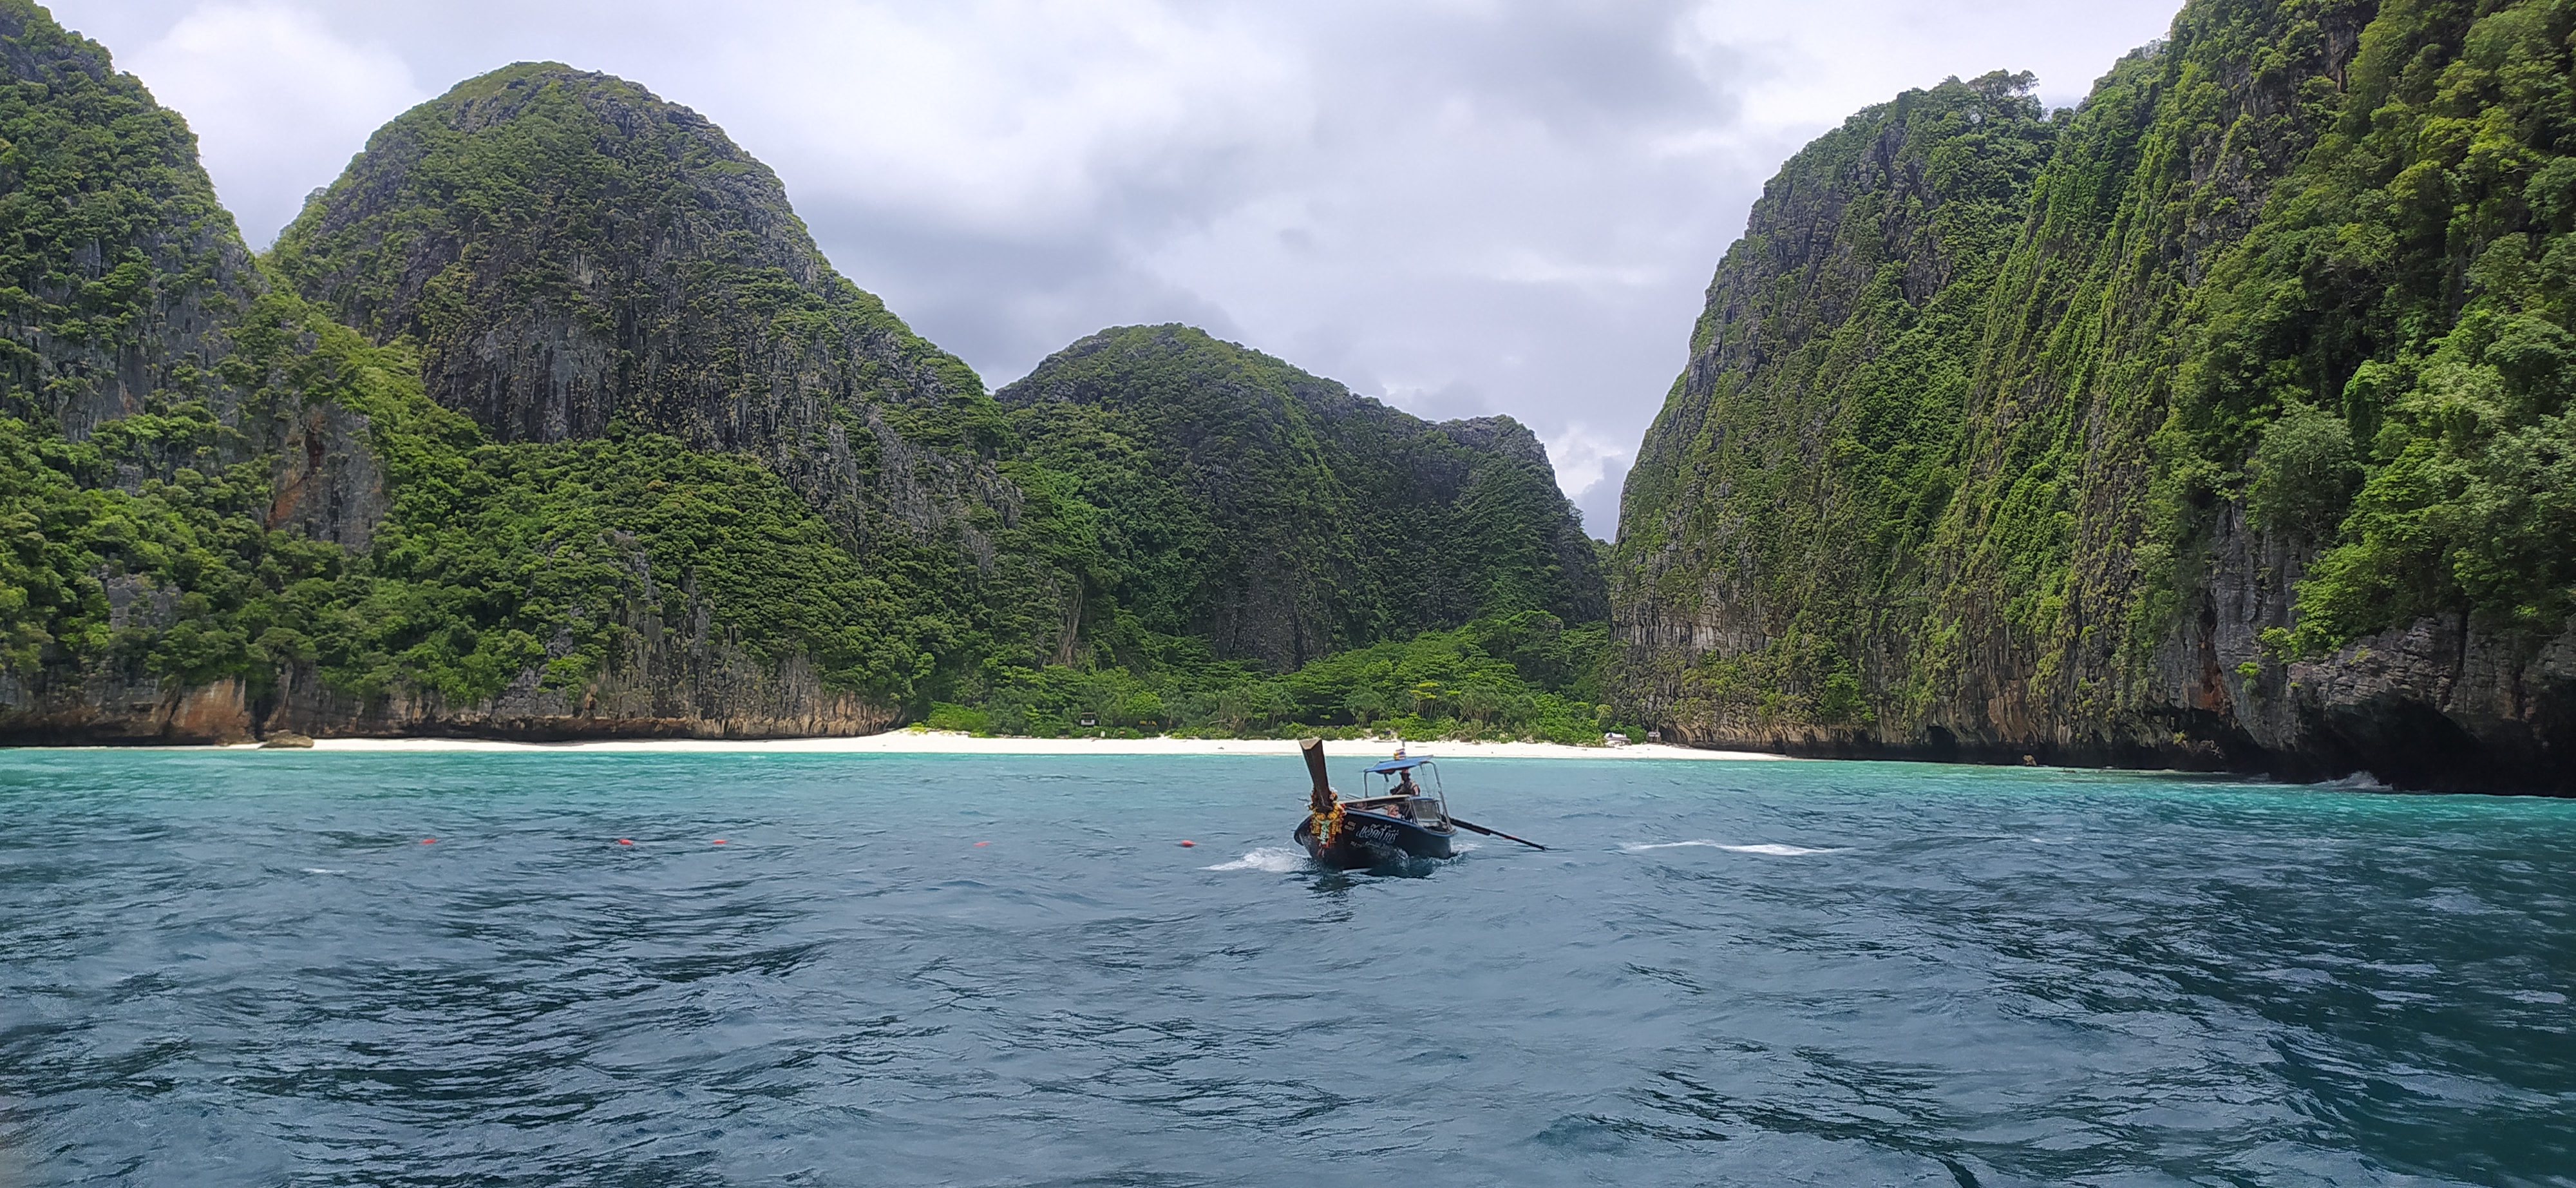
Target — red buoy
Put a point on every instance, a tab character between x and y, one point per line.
623	842
983	843
720	841
1187	842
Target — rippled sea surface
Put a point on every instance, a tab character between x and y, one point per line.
248	968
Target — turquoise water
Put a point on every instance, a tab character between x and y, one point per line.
246	968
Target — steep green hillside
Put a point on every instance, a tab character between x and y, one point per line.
612	451
1281	518
1778	511
120	269
575	257
135	431
578	258
225	511
569	250
2398	322
2244	444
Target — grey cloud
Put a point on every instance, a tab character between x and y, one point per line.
1001	305
1577	67
1599	502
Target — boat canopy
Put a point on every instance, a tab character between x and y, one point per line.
1400	764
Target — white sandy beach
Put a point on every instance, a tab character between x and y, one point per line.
942	742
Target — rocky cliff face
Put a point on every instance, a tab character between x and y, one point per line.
2142	434
1282	518
126	286
556	424
571	251
121	271
228	514
1779	509
577	258
670	680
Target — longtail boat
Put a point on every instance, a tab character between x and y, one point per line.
1400	816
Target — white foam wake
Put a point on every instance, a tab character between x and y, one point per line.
1275	859
1772	848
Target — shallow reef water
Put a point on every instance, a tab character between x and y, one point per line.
543	968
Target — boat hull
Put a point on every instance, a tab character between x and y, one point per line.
1373	839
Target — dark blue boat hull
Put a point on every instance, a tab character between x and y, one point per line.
1373	839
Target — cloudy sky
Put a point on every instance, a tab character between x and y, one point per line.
1462	206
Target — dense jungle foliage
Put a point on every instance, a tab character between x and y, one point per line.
2387	356
1283	518
114	233
495	558
1526	676
916	542
1804	462
2288	285
593	228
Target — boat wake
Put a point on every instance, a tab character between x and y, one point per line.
1772	848
1274	859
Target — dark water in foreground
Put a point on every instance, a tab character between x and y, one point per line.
245	968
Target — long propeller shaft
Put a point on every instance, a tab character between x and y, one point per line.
1473	827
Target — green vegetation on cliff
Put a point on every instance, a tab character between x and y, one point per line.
72	549
494	560
168	537
1524	676
501	559
2392	337
1151	497
1260	550
608	430
2256	359
117	256
1806	458
1283	518
575	259
632	262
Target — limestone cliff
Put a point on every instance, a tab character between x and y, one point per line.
575	258
2217	423
570	251
121	270
556	424
225	513
1283	518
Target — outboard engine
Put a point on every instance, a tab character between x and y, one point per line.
1323	798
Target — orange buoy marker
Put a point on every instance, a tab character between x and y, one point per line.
1187	842
623	842
427	840
983	843
720	841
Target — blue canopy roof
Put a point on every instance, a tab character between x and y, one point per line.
1400	764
